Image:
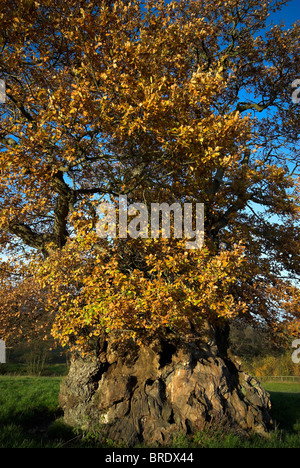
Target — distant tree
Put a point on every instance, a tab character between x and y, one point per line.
249	342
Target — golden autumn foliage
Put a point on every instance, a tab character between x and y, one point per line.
180	101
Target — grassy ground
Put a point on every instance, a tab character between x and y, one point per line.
30	417
285	398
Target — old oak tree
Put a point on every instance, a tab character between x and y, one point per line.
179	101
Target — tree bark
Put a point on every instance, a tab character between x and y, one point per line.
150	393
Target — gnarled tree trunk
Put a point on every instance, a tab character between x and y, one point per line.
150	393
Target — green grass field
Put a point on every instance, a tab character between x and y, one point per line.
30	417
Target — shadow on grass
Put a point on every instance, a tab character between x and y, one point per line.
30	428
43	428
286	410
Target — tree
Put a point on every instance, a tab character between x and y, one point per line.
177	101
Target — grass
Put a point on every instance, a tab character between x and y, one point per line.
285	398
28	406
30	417
49	370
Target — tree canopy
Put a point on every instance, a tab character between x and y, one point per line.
181	101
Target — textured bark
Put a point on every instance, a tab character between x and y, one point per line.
150	393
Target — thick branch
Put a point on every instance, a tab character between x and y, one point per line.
28	236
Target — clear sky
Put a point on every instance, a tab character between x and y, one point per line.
289	13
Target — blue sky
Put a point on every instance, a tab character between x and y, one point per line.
289	13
